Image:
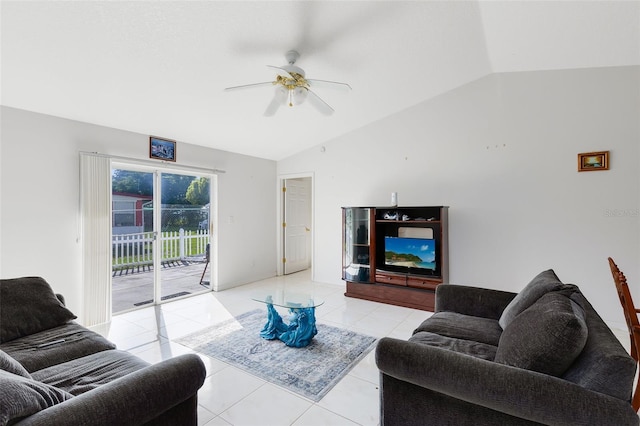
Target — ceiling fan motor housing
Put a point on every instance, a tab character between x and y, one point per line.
292	56
292	69
295	82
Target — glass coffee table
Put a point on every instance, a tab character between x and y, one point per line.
302	322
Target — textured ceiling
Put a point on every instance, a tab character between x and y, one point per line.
160	67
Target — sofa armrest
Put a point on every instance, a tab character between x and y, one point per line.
134	399
474	301
517	392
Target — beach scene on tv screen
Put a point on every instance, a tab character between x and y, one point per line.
410	252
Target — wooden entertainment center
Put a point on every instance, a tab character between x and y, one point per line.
378	254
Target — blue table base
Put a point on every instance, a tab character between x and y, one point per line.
298	333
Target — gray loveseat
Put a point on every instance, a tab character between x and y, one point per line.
54	371
489	357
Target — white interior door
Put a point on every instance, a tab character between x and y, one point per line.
297	225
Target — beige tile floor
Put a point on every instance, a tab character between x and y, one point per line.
231	396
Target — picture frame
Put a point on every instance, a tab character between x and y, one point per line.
162	149
593	161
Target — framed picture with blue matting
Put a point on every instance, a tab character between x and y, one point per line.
162	149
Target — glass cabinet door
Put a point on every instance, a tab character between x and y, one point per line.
356	262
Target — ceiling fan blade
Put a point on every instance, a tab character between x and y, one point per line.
279	98
281	71
328	83
318	103
272	108
248	86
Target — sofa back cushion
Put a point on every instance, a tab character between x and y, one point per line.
541	284
547	337
21	397
460	326
28	305
604	365
463	346
10	365
55	346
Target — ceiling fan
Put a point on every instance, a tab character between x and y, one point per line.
293	88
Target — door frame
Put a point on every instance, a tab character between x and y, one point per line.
280	214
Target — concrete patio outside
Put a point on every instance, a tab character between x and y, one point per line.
134	288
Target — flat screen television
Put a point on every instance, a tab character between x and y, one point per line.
415	255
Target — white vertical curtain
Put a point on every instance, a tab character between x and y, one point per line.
95	211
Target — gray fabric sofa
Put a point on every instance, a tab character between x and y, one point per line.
54	371
489	357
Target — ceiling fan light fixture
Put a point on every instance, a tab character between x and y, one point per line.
298	95
282	94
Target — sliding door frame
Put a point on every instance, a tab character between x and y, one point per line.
95	226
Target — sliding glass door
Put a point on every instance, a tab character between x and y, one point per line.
161	236
184	237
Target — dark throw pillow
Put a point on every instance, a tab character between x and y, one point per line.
543	283
21	397
12	366
547	337
28	305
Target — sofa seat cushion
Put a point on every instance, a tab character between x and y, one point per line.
467	347
89	372
541	284
28	305
547	337
10	365
36	352
21	397
465	327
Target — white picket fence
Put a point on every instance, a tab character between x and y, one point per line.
129	250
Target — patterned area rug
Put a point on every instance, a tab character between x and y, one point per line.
310	371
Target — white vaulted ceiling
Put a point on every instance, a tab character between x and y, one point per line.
160	67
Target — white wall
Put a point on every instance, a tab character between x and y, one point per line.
39	205
502	153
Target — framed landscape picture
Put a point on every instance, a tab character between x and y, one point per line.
592	161
162	149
